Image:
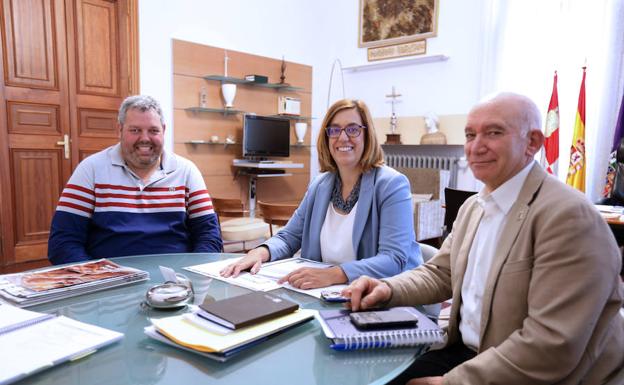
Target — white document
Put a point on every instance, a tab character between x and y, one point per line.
266	279
315	292
206	324
249	281
12	318
47	343
610	209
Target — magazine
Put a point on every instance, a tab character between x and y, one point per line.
41	286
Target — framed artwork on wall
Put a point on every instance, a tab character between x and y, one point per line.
385	22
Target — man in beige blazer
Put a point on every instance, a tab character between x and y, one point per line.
534	280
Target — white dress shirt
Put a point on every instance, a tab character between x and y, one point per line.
337	236
496	206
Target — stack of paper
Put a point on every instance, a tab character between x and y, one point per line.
266	279
31	342
33	288
201	336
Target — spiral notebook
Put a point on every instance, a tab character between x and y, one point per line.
337	326
32	341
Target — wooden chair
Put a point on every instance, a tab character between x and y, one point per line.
276	214
229	208
239	228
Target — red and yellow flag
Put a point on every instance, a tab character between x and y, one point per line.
576	172
551	132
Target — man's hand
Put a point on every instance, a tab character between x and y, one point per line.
425	381
311	278
252	261
366	292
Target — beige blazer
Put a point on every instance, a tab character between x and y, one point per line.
550	307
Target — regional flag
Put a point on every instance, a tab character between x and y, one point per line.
617	138
551	132
576	171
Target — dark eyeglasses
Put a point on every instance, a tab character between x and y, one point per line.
352	130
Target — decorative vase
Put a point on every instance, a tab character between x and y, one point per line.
229	92
300	131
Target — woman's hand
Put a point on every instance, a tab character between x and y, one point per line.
252	262
311	278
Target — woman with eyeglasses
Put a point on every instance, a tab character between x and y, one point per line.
356	215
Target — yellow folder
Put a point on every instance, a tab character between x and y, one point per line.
185	333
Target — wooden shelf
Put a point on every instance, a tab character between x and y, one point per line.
291	117
396	63
203	142
224	111
211	143
275	86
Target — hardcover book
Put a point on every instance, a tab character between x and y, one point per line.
245	310
257	78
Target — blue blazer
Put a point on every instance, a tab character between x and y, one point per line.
383	231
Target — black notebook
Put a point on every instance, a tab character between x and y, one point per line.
247	309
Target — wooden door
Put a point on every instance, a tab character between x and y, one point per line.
34	118
66	68
98	56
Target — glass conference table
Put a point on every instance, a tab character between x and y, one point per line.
300	355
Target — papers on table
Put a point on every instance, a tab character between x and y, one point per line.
41	286
314	292
178	331
30	341
611	212
266	279
255	282
610	209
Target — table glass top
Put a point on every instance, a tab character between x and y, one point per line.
300	355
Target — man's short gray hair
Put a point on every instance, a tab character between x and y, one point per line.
529	115
142	103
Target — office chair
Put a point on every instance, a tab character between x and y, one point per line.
432	311
453	199
276	214
617	194
240	228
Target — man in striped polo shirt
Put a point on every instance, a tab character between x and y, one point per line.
134	197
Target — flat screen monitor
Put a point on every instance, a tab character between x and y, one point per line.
265	136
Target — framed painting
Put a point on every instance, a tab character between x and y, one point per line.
385	22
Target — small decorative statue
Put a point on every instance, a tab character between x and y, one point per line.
393	137
283	71
433	135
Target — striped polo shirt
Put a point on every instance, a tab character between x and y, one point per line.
106	210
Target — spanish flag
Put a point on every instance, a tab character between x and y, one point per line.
576	172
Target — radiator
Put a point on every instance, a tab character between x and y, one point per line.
428	161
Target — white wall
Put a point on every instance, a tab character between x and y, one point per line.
261	28
448	87
314	33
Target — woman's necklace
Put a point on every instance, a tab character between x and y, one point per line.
341	204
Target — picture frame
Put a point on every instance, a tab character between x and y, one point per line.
418	47
386	22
